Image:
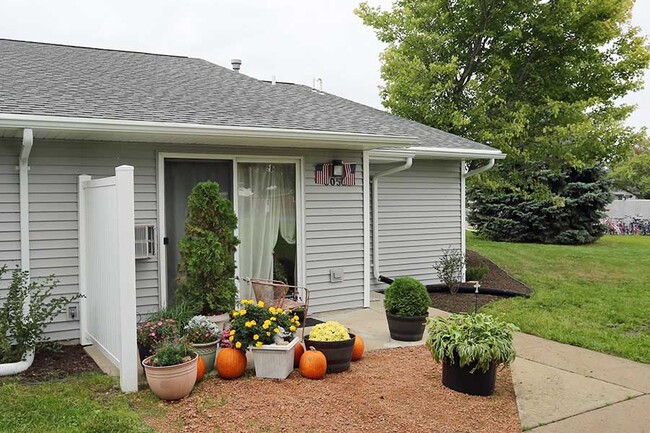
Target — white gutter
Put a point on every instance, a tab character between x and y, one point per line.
80	124
440	153
375	211
23	167
481	169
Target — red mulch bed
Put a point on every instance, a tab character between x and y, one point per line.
393	390
56	365
496	278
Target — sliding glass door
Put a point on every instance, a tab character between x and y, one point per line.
266	201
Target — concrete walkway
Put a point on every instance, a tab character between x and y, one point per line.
560	388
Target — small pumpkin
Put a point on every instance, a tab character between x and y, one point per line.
313	364
231	363
357	350
297	354
200	369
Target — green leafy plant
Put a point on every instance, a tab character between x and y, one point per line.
254	325
407	297
476	273
200	331
21	331
172	352
450	268
207	267
475	340
329	331
181	313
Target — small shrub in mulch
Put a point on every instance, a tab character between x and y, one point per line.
496	278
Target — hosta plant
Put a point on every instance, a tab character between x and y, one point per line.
329	331
477	340
407	297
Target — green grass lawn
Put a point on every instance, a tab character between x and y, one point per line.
86	403
595	296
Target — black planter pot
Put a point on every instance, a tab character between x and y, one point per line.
460	379
338	353
144	352
406	328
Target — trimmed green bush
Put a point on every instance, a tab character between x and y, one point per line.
207	267
407	297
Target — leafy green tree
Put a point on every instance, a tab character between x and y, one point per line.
539	80
633	174
207	267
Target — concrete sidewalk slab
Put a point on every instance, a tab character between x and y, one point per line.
630	416
546	394
586	362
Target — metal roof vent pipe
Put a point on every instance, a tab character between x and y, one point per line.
236	64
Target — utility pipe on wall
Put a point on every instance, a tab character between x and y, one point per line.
375	212
23	167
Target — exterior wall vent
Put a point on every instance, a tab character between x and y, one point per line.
145	241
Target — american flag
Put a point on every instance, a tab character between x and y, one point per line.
323	175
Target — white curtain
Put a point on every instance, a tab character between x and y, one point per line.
267	209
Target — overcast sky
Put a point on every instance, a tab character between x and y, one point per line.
295	40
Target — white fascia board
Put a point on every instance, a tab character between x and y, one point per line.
438	153
138	129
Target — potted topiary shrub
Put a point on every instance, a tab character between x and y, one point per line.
203	335
335	342
172	370
407	304
207	266
27	309
470	347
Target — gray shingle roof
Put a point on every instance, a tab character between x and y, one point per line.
59	80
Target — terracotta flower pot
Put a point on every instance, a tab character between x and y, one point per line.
172	382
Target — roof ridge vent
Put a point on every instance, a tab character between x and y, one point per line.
236	64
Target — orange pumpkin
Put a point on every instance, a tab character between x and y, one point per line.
298	351
231	363
313	364
200	369
357	351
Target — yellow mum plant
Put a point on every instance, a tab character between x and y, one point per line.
254	325
329	331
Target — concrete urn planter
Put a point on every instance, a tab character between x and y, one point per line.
172	382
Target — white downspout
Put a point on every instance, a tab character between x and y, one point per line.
481	169
23	167
375	211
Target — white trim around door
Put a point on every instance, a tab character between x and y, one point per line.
300	206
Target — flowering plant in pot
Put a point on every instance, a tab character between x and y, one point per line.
470	347
171	370
269	332
407	304
203	335
335	342
153	332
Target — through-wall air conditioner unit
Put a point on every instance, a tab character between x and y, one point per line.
145	241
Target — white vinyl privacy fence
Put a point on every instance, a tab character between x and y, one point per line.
107	270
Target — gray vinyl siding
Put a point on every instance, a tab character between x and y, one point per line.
419	215
333	217
9	210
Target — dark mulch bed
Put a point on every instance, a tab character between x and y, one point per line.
496	278
56	365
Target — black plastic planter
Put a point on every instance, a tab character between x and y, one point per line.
460	379
406	328
338	353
